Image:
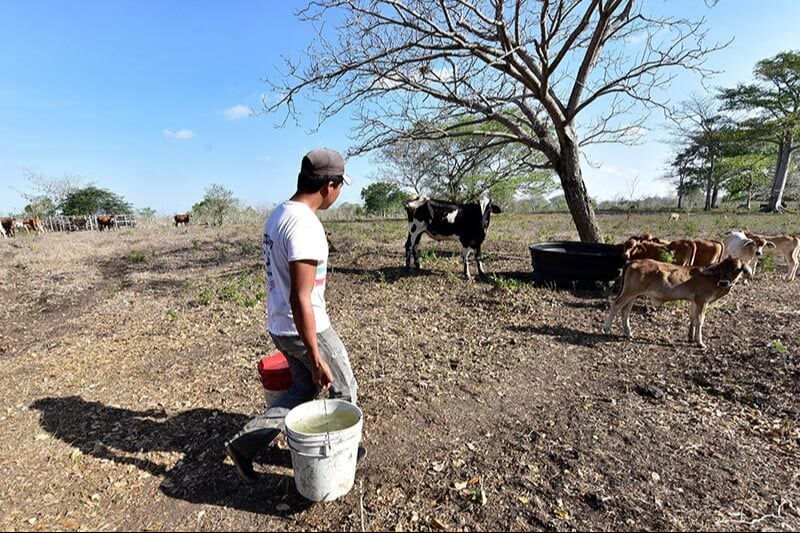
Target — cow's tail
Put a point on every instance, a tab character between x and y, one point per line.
620	283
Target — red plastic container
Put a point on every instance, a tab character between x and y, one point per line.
274	372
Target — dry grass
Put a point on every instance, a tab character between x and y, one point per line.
129	356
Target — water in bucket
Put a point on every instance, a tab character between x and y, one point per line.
323	437
325	423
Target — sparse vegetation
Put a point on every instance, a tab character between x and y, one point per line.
469	373
137	256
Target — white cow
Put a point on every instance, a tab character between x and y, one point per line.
740	246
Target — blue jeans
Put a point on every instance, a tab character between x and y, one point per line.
261	430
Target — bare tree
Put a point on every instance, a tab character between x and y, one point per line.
532	66
50	190
701	131
461	169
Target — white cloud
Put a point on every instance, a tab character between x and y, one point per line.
181	135
236	112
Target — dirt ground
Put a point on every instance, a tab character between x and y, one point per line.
129	357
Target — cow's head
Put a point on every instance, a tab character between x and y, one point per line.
761	243
728	271
487	208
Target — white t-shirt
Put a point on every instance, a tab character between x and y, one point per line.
293	232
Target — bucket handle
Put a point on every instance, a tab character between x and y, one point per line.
326	449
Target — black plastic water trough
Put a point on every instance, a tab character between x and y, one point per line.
575	263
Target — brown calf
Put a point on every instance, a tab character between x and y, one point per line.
788	246
106	222
664	282
33	224
707	252
181	219
9	225
682	251
77	223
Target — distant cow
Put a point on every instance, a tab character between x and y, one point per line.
787	245
663	282
181	219
442	220
9	226
674	216
77	223
33	224
106	222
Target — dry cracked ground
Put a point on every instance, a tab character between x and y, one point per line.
128	357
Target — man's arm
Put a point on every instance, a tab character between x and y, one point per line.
302	275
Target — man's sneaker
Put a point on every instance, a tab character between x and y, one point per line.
362	454
243	465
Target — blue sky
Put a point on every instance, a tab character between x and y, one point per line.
149	98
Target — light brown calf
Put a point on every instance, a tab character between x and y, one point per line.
788	246
664	282
33	224
707	252
682	250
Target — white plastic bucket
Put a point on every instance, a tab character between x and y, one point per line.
324	463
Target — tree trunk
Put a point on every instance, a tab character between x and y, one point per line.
749	201
569	170
715	196
707	206
781	171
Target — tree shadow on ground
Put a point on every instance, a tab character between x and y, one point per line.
160	264
129	437
566	335
382	275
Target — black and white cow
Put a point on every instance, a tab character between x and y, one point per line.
443	220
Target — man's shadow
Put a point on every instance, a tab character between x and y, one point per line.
126	436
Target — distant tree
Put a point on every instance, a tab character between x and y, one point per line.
346	211
147	213
775	99
217	204
40	206
93	200
382	196
558	203
49	192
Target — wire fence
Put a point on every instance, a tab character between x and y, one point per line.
86	222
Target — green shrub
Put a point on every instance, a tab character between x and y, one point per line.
136	256
667	256
691	230
767	263
778	345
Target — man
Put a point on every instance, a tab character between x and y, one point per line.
296	257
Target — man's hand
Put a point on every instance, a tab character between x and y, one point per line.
321	374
